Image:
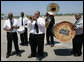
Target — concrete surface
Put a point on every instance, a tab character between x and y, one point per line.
60	52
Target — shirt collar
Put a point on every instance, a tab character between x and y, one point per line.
9	19
21	17
38	18
79	19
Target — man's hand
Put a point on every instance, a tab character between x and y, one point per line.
31	20
16	27
73	26
25	24
34	18
8	29
56	24
47	23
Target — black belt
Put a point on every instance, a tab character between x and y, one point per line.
11	32
79	35
37	34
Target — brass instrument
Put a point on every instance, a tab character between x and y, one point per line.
52	9
32	18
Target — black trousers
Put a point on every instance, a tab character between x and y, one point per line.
77	44
24	37
12	36
37	40
49	34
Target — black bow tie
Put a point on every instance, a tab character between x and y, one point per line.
77	21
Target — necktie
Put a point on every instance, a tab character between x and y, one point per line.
11	24
36	27
22	21
77	21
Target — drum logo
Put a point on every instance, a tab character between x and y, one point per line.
64	32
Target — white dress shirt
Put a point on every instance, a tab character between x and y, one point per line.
24	21
40	23
79	27
7	24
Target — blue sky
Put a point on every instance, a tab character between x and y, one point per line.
29	7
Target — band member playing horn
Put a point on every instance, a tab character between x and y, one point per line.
78	39
49	30
23	36
52	10
11	26
36	37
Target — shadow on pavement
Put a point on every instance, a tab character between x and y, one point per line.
63	52
45	54
14	52
56	42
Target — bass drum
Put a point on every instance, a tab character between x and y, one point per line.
63	31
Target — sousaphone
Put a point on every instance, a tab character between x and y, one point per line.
52	9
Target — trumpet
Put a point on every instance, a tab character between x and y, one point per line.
33	18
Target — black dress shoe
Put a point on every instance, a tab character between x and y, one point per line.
52	45
39	58
47	44
25	44
30	56
7	56
21	44
76	55
18	54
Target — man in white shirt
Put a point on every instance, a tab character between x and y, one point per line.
36	37
11	26
23	22
78	39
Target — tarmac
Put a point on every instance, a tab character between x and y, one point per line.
60	52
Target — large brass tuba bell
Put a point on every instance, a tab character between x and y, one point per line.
52	9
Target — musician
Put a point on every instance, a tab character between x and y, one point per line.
78	39
11	26
49	30
24	36
36	37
